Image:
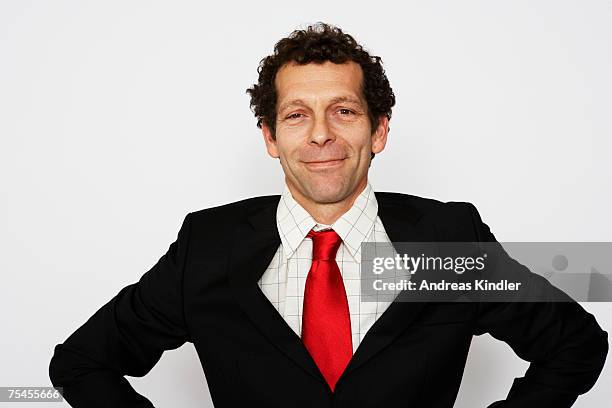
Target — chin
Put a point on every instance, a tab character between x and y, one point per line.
328	193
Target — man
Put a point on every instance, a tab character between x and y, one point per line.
267	289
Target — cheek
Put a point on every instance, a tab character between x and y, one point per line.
360	143
288	148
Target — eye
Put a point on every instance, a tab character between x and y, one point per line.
294	116
345	111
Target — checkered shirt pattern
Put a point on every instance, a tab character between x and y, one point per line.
284	280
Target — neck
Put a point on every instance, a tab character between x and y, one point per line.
327	213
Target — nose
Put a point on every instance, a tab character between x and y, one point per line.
320	132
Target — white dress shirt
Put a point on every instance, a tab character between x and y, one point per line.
284	280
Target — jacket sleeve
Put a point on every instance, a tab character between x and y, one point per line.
564	344
126	336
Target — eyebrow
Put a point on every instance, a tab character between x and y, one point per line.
332	101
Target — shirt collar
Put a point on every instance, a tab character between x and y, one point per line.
354	226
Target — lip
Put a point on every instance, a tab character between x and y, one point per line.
326	164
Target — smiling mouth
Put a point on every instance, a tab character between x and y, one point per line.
324	164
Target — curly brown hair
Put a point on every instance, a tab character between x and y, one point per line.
318	43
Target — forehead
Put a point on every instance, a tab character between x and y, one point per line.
314	81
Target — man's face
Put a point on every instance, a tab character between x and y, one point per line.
323	134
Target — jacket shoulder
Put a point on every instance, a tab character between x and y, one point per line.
233	212
424	205
452	220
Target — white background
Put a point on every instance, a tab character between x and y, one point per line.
119	117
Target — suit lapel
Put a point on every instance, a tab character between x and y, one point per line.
402	223
254	246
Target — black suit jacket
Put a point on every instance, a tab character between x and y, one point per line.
204	290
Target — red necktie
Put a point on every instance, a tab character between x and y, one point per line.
326	323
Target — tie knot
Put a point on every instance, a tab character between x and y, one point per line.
325	244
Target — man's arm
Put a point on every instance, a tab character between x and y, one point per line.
564	344
126	336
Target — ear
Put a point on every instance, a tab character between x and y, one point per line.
269	140
379	137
